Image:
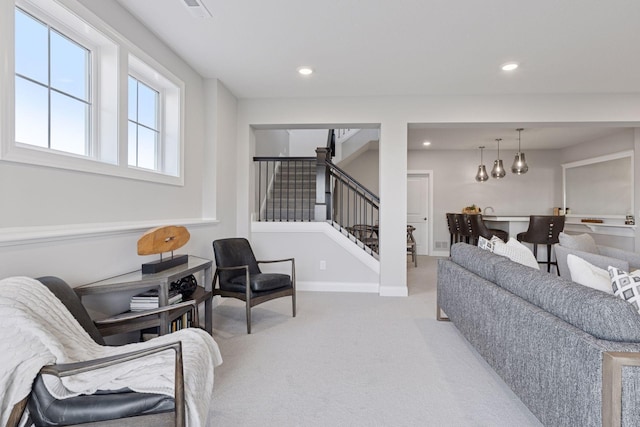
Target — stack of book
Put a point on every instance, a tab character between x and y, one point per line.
149	300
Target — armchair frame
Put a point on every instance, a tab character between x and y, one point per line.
69	369
252	301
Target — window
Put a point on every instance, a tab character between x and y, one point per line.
66	101
144	134
52	96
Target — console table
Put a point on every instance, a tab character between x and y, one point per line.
162	280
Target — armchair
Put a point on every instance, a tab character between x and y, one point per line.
238	276
99	406
584	246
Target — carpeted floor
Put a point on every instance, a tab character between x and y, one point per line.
352	359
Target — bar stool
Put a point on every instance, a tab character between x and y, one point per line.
479	228
454	232
543	230
464	229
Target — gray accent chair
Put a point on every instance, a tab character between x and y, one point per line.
239	276
105	408
584	246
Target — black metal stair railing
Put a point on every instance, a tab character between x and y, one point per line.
285	188
315	189
354	207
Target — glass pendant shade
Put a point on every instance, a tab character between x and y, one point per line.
519	163
498	169
482	174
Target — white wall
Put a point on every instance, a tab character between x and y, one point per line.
84	227
394	114
303	142
310	244
272	142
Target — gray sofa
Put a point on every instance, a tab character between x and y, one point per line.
545	336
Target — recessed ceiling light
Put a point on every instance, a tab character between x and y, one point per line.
426	143
305	71
510	66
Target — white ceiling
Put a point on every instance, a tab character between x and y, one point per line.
410	47
541	137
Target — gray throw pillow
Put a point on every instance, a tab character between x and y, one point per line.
580	242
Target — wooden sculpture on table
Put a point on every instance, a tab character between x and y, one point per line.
160	240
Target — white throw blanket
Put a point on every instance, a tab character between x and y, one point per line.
37	330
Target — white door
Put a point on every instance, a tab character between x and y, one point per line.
417	209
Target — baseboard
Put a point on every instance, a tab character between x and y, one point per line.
394	291
337	287
440	253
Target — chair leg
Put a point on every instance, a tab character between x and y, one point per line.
293	303
248	317
548	258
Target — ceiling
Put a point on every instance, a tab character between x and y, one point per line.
540	137
410	47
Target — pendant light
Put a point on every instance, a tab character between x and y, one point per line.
498	169
482	174
519	163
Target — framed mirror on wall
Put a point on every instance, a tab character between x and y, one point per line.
600	188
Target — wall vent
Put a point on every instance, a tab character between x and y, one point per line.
442	245
197	8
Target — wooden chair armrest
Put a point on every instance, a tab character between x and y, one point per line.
68	369
138	314
612	364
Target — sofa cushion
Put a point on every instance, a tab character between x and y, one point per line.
587	274
581	242
626	286
599	314
476	260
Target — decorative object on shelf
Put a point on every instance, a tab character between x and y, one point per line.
163	239
482	174
498	169
519	166
592	220
473	209
186	286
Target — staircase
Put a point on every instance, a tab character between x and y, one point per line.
291	195
286	192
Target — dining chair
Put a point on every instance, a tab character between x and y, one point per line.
454	230
367	234
543	230
480	229
411	244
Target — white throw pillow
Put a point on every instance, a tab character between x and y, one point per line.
515	251
587	274
626	285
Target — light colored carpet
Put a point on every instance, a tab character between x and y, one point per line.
355	360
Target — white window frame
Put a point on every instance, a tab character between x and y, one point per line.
59	25
171	91
112	61
159	156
